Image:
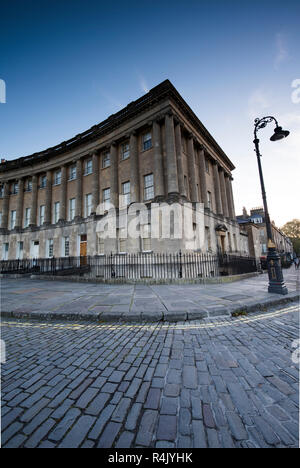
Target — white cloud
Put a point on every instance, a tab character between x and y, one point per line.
290	151
143	84
258	101
281	51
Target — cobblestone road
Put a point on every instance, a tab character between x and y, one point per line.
223	383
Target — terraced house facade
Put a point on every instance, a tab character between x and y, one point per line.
154	150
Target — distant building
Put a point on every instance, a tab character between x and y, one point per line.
255	225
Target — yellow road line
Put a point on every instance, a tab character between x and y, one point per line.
218	323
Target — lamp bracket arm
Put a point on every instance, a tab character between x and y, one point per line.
262	123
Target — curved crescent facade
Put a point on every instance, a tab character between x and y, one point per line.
153	151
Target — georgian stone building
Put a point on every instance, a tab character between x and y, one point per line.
154	150
258	242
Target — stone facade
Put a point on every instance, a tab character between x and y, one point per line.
252	245
254	224
154	150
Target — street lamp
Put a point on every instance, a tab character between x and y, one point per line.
276	281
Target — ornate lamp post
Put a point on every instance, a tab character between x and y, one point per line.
276	281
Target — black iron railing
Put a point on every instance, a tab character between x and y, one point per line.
53	266
236	265
156	266
136	266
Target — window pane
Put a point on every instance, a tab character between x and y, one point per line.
57	178
50	248
147	141
88	204
106	194
148	187
56	212
67	247
101	246
106	197
88	167
146	243
126	193
125	151
42	214
106	160
72	172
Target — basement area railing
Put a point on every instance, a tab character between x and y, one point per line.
135	266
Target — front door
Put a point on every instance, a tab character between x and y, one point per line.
222	243
83	249
35	249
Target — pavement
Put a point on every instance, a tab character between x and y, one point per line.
33	298
222	382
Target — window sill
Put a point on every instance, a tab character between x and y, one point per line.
145	150
85	175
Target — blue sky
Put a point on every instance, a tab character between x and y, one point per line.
69	64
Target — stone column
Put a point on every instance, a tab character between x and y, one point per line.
134	169
78	211
232	199
5	206
202	174
223	193
228	194
63	194
159	190
20	199
48	198
192	169
33	212
217	188
172	177
96	188
178	144
114	182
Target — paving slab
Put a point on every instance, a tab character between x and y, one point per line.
25	297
